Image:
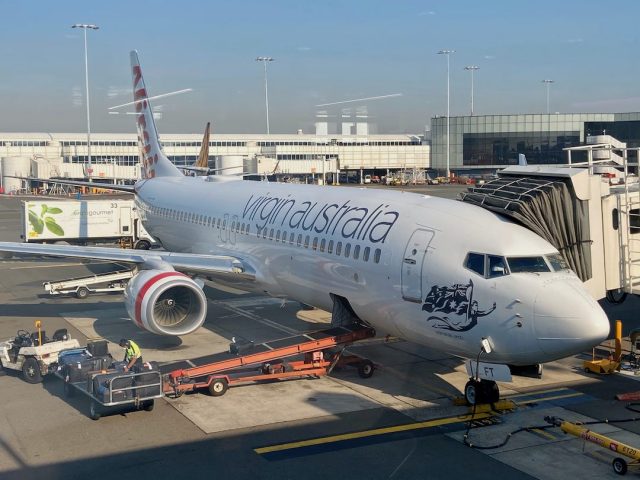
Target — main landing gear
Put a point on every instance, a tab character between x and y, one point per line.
481	391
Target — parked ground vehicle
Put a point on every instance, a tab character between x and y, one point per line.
83	221
33	353
82	287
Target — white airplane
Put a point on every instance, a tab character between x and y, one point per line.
441	273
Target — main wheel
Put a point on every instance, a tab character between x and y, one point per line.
95	411
148	405
619	465
366	368
218	387
82	292
31	370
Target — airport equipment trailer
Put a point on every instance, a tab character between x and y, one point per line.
82	287
321	352
34	354
108	389
619	464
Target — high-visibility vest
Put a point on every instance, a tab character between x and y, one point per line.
133	351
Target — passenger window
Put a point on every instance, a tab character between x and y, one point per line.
278	236
497	266
323	243
233	225
264	233
306	241
365	254
291	237
347	250
330	247
299	243
271	234
475	263
614	218
315	243
376	255
338	248
356	252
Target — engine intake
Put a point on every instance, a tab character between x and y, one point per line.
165	302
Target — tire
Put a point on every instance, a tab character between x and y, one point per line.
490	391
471	391
619	465
148	405
82	293
142	245
366	369
95	411
31	370
218	387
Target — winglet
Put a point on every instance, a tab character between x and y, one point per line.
153	160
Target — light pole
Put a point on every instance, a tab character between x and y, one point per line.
264	61
86	27
448	54
548	83
471	68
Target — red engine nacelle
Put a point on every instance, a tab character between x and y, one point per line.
165	302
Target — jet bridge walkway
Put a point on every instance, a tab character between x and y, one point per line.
320	351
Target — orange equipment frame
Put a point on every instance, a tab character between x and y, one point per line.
218	376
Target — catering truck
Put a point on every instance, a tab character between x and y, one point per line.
83	222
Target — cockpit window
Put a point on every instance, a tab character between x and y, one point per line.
497	266
475	263
527	265
557	262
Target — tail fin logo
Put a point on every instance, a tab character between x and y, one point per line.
139	96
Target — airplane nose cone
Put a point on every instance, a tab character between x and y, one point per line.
567	320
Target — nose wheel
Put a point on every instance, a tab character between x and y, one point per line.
481	391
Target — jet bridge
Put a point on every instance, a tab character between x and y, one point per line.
596	227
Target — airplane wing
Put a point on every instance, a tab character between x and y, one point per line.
181	262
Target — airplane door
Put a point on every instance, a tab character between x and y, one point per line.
412	263
224	229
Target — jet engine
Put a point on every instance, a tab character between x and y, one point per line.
165	302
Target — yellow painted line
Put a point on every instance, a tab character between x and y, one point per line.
541	392
370	433
544	433
544	399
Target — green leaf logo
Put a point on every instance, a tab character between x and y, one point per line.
53	227
36	222
45	220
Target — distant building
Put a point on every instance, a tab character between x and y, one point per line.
490	142
64	155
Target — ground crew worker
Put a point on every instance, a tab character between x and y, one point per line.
132	353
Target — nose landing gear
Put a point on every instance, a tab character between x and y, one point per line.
481	391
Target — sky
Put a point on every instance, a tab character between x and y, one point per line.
324	50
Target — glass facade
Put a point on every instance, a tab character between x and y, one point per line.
494	141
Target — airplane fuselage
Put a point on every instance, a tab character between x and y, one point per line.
406	263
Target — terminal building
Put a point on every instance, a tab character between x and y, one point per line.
486	143
114	157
